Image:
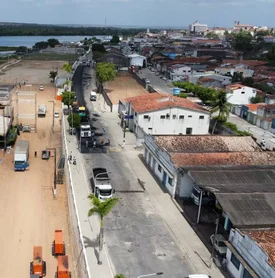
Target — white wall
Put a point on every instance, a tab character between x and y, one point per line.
241	96
171	125
136	61
185	186
236	273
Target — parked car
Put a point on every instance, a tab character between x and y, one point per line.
26	128
164	78
219	245
146	80
153	70
56	114
41	88
157	73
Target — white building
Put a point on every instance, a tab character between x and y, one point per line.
137	60
179	72
160	114
197	27
240	94
249	253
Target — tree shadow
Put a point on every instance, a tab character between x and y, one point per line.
94	243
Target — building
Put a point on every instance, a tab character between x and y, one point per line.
240	94
266	117
179	72
163	114
171	157
137	60
230	71
269	39
197	27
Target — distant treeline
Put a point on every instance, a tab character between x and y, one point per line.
51	30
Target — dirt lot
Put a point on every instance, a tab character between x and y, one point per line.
36	72
29	213
122	87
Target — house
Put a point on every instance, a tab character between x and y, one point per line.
171	157
231	70
250	253
137	60
269	39
266	117
164	114
197	27
178	72
269	99
240	94
247	111
215	53
218	79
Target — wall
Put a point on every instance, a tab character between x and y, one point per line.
241	96
185	186
236	273
155	157
173	126
252	253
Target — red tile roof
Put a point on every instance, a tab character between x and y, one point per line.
223	159
157	101
254	107
239	86
251	63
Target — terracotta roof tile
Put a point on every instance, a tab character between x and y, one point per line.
254	107
156	101
266	240
206	143
223	159
251	63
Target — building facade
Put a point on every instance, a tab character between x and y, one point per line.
197	27
240	94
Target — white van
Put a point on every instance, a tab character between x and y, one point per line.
93	96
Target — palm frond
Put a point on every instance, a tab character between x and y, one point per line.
107	205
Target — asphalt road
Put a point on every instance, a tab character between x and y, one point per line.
138	240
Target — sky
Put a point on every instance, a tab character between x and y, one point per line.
144	13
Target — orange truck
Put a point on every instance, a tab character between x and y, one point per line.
37	266
63	268
58	246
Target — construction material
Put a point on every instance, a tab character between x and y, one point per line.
63	268
21	156
38	266
58	246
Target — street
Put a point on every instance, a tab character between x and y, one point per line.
137	238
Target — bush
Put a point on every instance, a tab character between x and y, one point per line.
234	128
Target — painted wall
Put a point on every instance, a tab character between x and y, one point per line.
252	253
241	96
152	123
185	186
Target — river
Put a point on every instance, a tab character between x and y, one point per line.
29	41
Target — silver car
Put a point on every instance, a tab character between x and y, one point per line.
219	244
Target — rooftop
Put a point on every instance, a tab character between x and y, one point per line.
141	104
266	240
223	158
251	63
206	143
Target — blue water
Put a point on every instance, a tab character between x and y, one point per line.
29	41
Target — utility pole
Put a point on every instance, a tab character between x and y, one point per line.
214	239
54	180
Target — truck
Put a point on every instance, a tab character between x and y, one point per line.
21	155
85	130
42	110
58	246
62	270
93	96
100	183
37	266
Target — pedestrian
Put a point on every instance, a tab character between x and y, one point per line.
35	154
108	142
103	130
74	161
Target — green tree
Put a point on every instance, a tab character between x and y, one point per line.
53	42
52	75
74	120
119	276
242	41
102	209
98	47
222	106
41	45
22	50
237	77
68	98
67	67
248	81
115	39
105	72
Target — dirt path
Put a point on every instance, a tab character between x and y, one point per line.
28	212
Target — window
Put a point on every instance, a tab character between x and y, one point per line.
170	181
162	116
150	130
159	168
242	92
174	116
135	113
235	261
181	117
201	117
189	130
145	117
189	116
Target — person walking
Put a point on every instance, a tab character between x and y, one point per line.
35	154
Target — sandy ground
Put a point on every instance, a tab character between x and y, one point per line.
124	86
29	214
36	72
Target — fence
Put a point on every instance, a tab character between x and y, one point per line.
78	249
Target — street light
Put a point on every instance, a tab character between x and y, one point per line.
152	274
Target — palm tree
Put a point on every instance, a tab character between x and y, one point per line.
67	67
52	75
102	209
220	104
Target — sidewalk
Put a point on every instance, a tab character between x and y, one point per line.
89	225
183	234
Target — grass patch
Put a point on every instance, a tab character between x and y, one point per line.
50	56
234	128
8	48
